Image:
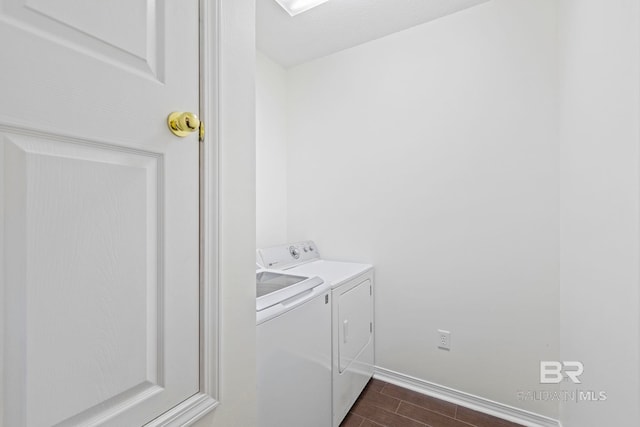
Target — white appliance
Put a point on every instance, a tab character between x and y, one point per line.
352	315
293	318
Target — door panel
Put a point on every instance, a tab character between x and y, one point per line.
99	211
92	283
87	26
355	317
59	79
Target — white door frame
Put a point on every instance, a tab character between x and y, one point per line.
206	399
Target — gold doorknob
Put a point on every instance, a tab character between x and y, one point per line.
182	123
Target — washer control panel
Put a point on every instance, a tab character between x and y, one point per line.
285	256
295	252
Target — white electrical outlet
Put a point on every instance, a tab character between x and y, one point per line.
444	339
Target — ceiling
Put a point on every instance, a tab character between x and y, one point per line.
340	24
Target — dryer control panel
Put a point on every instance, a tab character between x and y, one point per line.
289	255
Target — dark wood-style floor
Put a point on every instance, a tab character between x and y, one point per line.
384	404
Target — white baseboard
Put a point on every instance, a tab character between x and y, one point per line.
467	400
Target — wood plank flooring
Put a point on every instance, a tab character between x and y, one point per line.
387	405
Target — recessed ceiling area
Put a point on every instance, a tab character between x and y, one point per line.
340	24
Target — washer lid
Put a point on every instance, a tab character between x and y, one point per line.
275	287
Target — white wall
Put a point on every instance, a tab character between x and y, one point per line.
600	195
271	153
236	151
432	154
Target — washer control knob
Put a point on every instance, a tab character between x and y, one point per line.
294	252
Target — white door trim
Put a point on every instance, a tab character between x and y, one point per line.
206	399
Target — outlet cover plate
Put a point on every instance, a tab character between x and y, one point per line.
444	339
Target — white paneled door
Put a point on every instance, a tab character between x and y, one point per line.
99	211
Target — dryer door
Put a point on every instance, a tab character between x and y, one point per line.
355	322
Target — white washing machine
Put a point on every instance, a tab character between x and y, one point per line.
352	329
293	338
